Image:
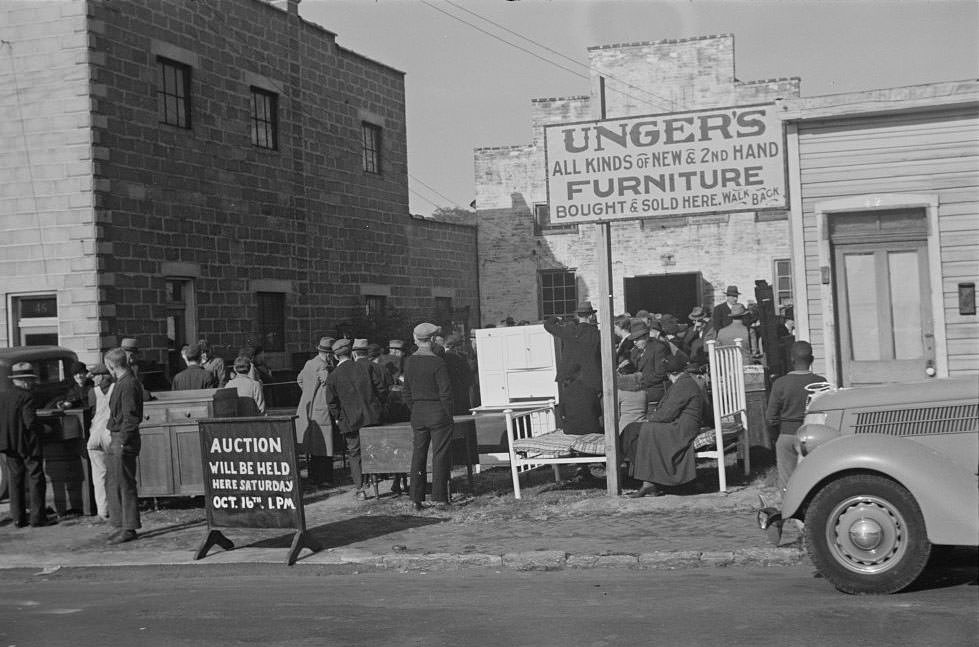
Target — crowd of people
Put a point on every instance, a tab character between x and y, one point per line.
662	389
350	384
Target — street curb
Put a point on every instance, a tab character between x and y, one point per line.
541	560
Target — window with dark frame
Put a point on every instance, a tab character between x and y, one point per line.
558	292
372	148
443	309
783	282
173	92
265	119
374	306
272	320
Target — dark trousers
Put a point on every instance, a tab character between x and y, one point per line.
320	469
581	409
120	487
431	428
26	471
352	438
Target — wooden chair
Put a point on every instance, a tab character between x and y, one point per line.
729	401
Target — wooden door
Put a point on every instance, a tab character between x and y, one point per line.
883	300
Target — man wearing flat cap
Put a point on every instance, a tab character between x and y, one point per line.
428	394
99	437
20	444
579	373
722	313
355	397
314	427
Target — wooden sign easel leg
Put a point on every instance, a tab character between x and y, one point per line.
302	539
214	538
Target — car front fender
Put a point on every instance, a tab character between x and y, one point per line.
946	492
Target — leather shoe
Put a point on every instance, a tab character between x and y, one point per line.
649	489
123	537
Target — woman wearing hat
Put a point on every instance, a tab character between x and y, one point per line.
660	451
20	443
314	427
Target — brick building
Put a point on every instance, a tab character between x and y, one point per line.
531	267
175	169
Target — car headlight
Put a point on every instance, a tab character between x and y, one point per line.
815	418
813	433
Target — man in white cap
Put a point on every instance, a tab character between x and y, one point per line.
99	438
20	443
428	394
355	401
314	426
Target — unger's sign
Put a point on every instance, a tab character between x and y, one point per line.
729	159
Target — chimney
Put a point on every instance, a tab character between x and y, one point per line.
291	7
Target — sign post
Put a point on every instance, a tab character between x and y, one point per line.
251	479
610	401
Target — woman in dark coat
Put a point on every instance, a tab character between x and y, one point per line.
660	451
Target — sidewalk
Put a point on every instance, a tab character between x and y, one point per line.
552	527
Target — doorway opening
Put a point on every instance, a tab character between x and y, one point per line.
676	294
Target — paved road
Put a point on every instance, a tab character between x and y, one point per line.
273	605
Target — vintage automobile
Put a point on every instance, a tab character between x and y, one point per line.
52	364
885	473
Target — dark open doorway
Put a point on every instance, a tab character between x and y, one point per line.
676	294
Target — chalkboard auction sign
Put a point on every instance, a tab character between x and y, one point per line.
251	478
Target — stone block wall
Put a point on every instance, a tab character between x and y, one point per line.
48	235
304	219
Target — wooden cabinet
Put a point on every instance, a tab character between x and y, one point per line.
515	364
170	457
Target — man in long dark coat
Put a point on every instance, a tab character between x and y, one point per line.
20	444
579	373
355	398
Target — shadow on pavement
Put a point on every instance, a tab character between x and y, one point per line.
948	566
351	531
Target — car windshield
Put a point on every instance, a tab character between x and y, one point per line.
51	371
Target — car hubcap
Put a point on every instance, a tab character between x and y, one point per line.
866	534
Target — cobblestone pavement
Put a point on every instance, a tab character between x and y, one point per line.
551	527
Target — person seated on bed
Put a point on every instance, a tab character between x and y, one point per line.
660	451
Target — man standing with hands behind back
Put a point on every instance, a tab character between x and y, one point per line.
428	394
125	414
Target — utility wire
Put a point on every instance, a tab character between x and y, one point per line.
437	206
432	189
492	35
659	99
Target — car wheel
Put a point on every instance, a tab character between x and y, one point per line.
865	534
